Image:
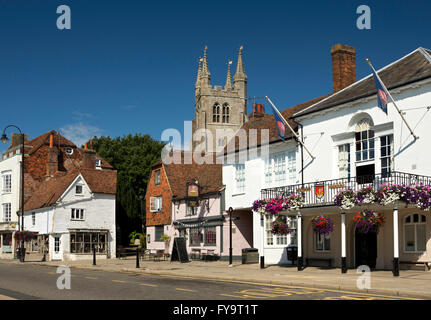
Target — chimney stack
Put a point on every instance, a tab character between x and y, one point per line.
89	158
16	140
258	109
343	66
52	161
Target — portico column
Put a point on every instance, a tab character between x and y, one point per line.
262	253
396	268
299	226
343	243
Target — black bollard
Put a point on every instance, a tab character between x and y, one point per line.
94	255
137	257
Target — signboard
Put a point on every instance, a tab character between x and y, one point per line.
179	251
193	190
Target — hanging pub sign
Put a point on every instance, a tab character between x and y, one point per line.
193	190
319	190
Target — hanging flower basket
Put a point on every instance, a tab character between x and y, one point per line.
368	221
345	199
389	193
279	227
322	224
366	195
275	205
24	235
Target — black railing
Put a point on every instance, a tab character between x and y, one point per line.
313	195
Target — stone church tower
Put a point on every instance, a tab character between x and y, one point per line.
217	107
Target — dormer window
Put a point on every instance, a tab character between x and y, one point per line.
78	190
98	163
69	150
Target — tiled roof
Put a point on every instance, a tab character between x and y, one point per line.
50	190
39	141
267	121
414	67
209	176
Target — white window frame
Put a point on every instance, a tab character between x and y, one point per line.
7	212
365	141
344	161
7	182
82	190
69	150
415	225
156	204
279	241
98	163
322	240
191	211
77	214
280	169
390	157
240	177
157	177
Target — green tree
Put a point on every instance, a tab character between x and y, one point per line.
132	156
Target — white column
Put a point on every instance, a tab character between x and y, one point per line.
343	243
299	233
396	248
262	254
299	226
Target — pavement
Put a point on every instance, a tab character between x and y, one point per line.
414	283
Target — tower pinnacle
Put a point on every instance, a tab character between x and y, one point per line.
228	85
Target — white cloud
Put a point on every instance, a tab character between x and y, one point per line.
79	133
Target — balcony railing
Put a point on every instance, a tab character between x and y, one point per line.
314	197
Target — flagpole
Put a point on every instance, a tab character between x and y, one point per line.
293	131
390	96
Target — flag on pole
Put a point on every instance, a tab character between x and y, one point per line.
281	127
382	97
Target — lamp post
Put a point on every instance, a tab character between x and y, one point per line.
142	215
230	239
5	139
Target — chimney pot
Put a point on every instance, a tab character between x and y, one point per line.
343	66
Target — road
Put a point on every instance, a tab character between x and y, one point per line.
25	281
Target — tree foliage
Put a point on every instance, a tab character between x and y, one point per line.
132	156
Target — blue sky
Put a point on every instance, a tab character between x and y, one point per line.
130	66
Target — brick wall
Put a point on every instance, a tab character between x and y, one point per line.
163	190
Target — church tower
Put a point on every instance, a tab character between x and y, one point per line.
218	107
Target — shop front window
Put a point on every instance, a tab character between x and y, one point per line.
83	242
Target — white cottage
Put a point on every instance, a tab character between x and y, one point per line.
69	199
76	213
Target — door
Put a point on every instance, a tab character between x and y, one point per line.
57	252
366	249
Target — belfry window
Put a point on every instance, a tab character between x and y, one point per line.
216	113
226	113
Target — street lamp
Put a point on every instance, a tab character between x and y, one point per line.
142	214
5	139
230	233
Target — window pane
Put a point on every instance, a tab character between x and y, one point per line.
410	238
327	244
319	242
415	217
421	237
